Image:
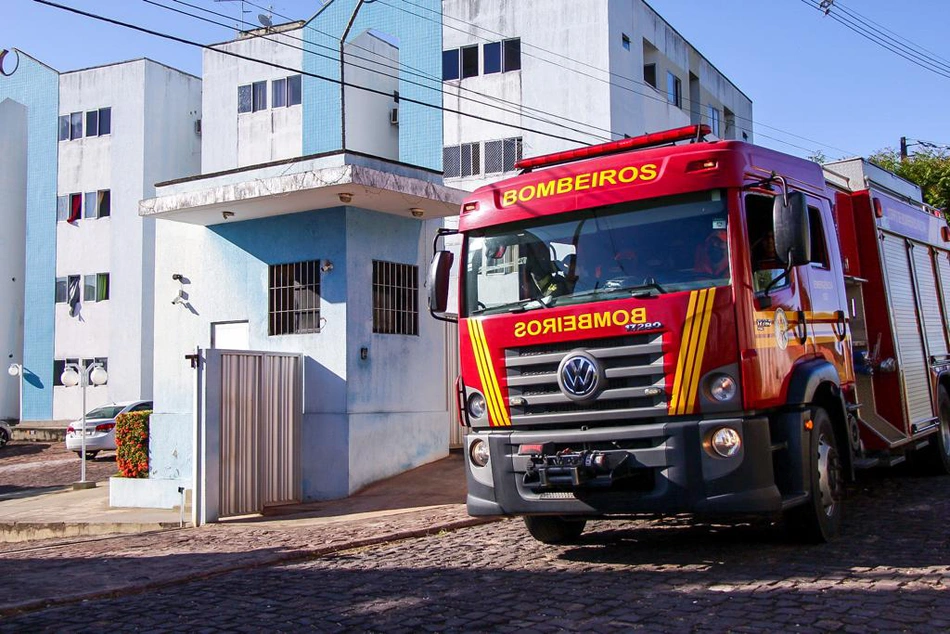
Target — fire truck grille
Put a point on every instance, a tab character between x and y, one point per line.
635	386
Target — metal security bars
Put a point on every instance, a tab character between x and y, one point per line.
501	155
294	298
395	298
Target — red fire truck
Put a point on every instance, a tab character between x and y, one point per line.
655	325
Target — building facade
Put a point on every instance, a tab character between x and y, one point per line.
307	233
542	76
83	255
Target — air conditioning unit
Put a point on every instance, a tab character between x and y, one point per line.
198	127
394	116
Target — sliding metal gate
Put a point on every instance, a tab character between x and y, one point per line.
260	411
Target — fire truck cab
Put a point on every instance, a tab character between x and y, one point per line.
705	327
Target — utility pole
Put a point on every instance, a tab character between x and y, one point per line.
903	149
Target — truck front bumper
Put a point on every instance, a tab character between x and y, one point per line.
659	468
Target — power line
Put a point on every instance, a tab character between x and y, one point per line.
425	75
926	53
437	88
649	95
937	69
331	80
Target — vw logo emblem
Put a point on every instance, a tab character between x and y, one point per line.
579	376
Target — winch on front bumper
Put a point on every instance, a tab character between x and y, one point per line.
551	470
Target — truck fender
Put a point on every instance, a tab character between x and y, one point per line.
816	382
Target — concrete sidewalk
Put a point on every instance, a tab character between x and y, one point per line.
425	501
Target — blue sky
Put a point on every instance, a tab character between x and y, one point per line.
807	75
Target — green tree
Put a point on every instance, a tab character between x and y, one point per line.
929	168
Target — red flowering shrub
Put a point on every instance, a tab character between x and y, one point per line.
131	442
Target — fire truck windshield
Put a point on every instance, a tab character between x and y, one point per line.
644	247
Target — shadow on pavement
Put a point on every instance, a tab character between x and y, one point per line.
17	449
437	483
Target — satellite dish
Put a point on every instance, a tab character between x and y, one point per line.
264	19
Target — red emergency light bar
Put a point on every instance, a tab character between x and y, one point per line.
613	147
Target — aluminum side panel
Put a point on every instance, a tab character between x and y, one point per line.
911	360
929	300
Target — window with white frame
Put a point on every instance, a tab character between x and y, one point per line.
501	155
99	122
95	287
497	57
285	92
69	207
461	160
713	113
68	289
674	89
294	298
70	126
395	298
252	97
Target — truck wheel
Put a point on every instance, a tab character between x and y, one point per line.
554	530
4	437
934	459
819	519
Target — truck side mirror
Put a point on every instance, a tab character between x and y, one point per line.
792	230
438	283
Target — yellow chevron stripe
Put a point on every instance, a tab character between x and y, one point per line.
496	388
692	344
700	351
478	352
684	351
497	409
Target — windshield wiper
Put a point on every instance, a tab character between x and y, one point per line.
531	304
636	290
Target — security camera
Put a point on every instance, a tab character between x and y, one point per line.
179	298
176	277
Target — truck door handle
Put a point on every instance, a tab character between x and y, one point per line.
803	324
840	325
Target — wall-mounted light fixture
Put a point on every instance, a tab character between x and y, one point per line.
227	214
416	212
345	197
364	353
327	266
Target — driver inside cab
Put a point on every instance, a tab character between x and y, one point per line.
543	279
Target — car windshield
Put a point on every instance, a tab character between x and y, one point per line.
632	249
109	411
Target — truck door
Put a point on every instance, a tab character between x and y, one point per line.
779	336
824	290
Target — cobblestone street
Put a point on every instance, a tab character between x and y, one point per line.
32	465
889	572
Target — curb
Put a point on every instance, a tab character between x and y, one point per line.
281	558
16	532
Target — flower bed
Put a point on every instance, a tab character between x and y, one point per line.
131	441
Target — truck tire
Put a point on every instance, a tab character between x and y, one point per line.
554	530
819	520
934	459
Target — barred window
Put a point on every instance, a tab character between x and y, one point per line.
461	160
501	155
294	298
395	298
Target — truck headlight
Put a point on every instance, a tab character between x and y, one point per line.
478	452
722	387
725	441
476	405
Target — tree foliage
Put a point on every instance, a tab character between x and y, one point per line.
929	168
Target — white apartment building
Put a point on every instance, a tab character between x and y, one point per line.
548	75
122	128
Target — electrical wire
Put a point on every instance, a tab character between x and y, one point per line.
332	80
437	88
648	95
919	50
938	69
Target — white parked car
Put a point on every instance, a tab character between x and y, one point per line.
5	433
100	427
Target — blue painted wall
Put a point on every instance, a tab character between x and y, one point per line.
418	29
36	86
